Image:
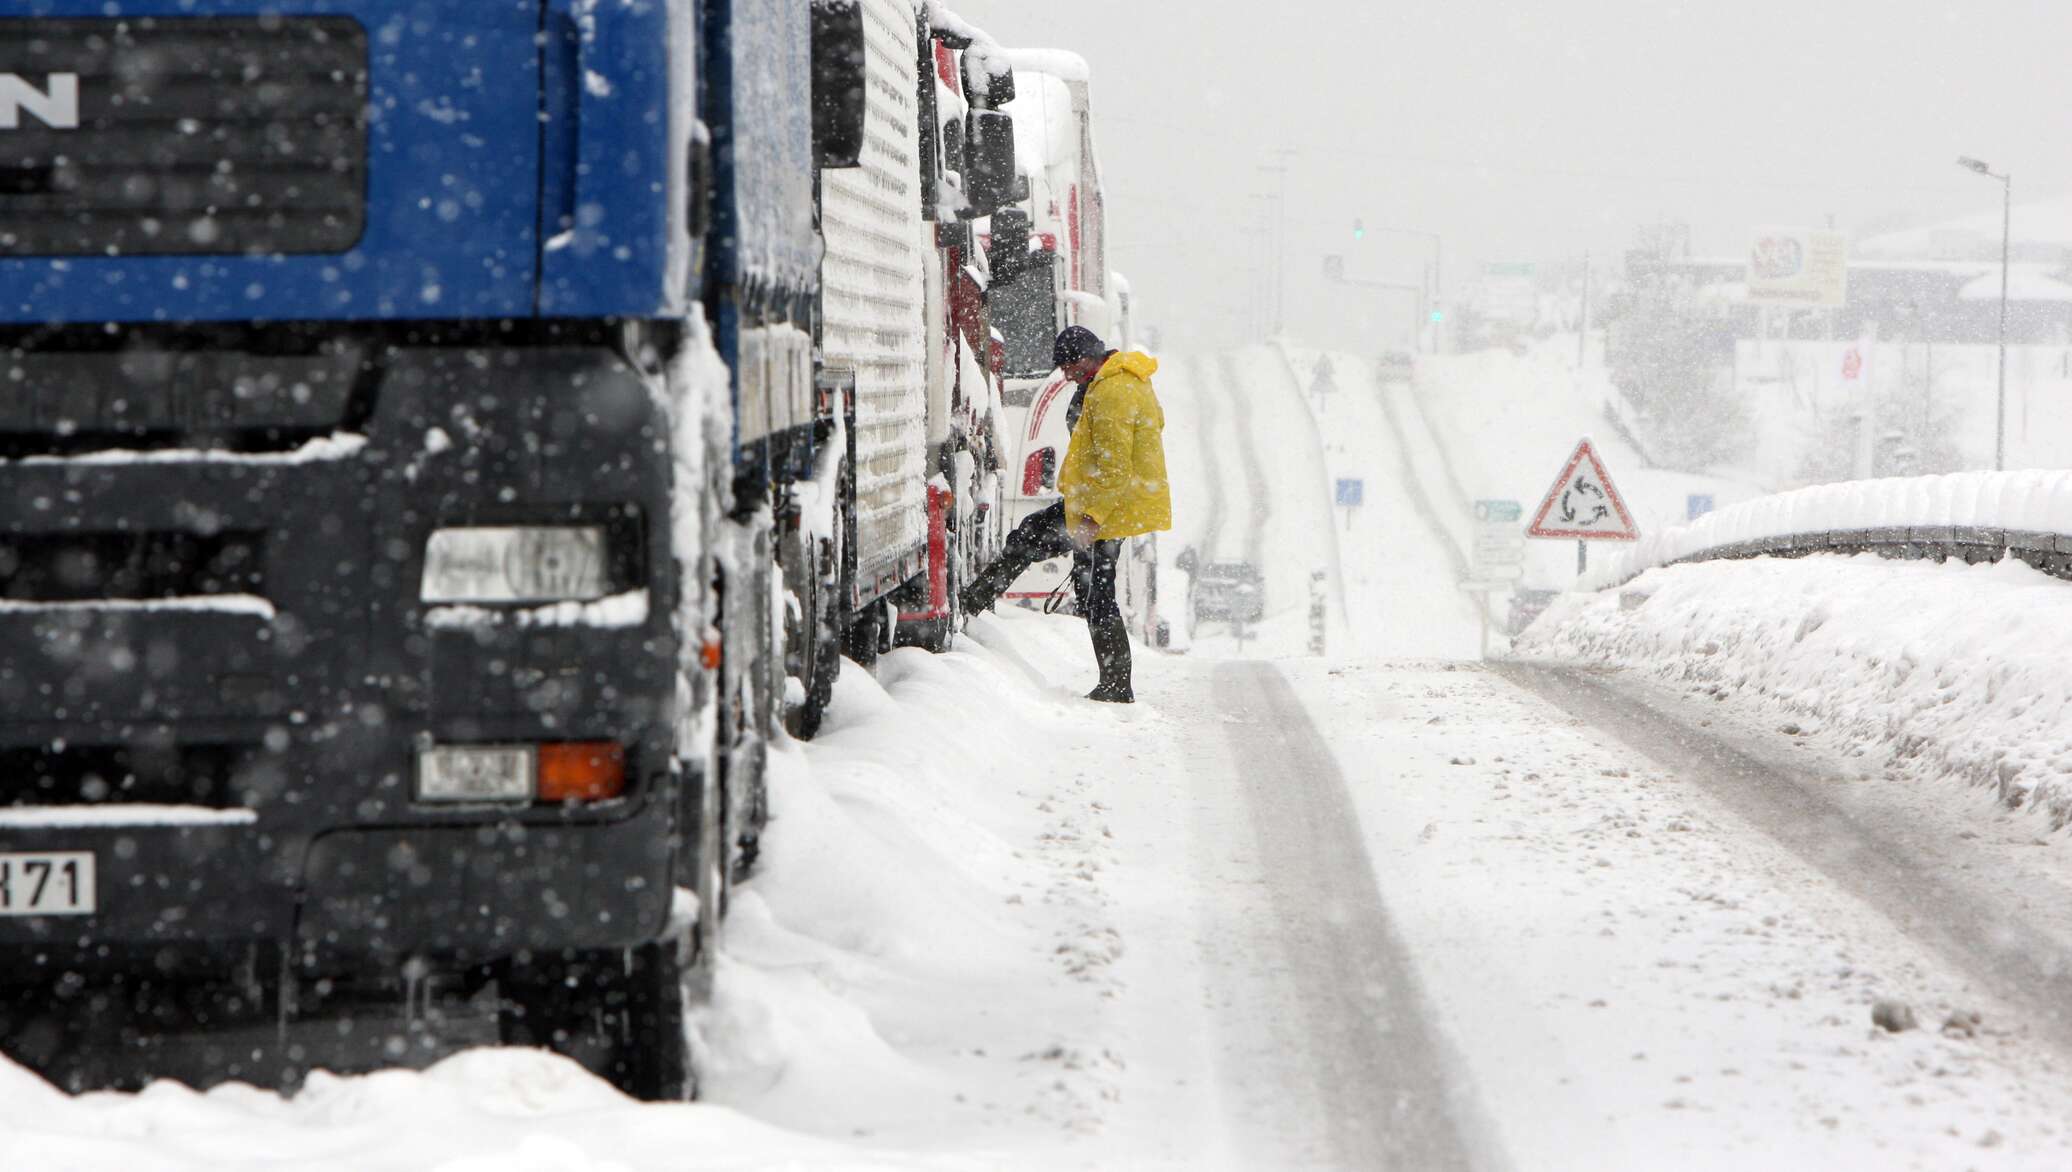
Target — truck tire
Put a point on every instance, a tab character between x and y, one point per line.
819	658
936	635
862	638
620	1013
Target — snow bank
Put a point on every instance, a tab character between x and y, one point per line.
2021	505
502	1110
897	909
336	446
1930	670
888	987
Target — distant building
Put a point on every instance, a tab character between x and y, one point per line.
1939	283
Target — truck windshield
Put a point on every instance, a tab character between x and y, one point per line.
1025	311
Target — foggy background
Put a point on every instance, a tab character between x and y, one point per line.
1530	133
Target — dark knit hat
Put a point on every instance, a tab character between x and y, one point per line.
1075	343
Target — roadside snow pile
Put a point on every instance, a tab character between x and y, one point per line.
889	966
2020	502
480	1111
1940	670
887	989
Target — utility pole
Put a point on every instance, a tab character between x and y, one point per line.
1867	430
1263	311
2006	251
1280	238
1438	285
1583	328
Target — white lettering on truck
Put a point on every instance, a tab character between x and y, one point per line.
56	105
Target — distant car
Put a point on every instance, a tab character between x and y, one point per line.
1228	592
1397	366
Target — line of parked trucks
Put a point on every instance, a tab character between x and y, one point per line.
440	442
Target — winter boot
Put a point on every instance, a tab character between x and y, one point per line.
1111	638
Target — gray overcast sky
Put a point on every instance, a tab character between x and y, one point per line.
1532	131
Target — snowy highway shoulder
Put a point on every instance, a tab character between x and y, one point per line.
1636	976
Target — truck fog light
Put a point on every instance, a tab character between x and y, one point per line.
564	563
477	773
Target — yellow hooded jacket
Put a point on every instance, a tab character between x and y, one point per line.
1115	469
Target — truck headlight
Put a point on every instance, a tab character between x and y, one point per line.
562	563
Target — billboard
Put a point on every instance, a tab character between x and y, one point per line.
1803	267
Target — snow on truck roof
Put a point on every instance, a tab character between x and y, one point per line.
942	20
1062	64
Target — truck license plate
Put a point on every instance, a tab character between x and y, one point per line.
55	884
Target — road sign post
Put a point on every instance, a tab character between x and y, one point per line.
1584	505
1351	492
1499	542
1317	611
1499	554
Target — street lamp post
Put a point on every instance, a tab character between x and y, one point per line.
2006	236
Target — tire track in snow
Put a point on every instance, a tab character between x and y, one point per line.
1312	432
1246	436
1444	454
1205	432
1388	1093
1413	488
1977	931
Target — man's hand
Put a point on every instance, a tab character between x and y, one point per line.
1084	531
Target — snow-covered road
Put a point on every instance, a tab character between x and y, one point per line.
1337	992
1371	910
2008	929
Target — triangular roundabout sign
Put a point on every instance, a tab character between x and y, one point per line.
1583	503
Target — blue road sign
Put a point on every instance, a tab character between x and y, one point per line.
1696	505
1350	492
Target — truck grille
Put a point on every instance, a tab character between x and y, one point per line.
72	391
86	775
77	567
182	136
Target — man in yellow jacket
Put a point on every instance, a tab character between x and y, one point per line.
1114	481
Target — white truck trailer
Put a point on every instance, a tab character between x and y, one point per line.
1050	270
910	499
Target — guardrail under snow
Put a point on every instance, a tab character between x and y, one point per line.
1970	516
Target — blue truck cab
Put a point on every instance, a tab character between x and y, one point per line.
359	518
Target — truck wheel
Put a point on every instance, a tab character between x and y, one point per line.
821	658
861	639
620	1013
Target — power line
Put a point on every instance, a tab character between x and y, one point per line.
1719	180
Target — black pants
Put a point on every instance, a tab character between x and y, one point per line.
1040	536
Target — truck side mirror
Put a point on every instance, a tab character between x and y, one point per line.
1008	252
989	179
839	59
989	79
